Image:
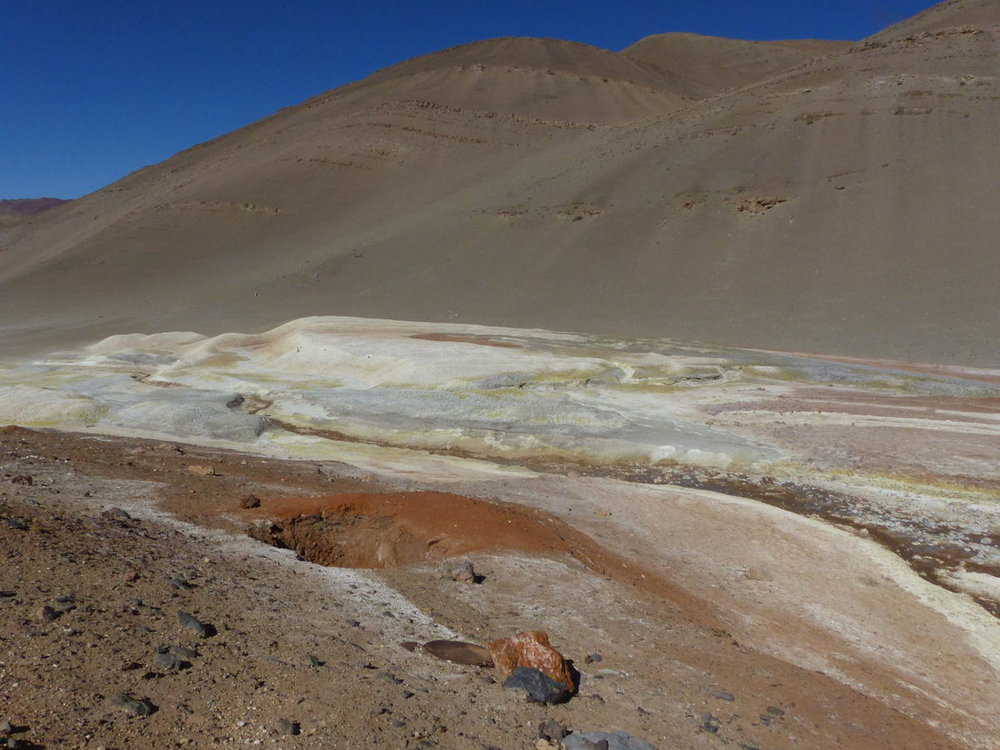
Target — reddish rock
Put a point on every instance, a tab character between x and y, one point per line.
532	650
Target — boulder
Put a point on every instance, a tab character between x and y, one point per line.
539	686
531	650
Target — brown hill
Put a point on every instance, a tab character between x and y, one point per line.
946	16
706	65
841	204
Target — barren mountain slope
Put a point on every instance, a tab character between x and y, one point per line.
709	65
943	16
843	207
303	191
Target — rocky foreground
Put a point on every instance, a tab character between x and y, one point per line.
125	627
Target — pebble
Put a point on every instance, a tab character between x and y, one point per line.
775	711
17	524
286	726
593	659
141	707
710	723
170	659
465	573
46	613
550	729
201	629
722	695
6	727
184	653
250	501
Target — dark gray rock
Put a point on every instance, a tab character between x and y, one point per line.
540	687
710	724
140	707
722	695
287	726
171	658
593	659
184	653
17	524
201	629
604	741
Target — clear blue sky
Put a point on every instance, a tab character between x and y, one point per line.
90	91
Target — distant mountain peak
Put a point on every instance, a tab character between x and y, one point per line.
28	206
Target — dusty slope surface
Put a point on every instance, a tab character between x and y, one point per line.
711	65
840	207
839	517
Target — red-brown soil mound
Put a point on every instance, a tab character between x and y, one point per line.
361	530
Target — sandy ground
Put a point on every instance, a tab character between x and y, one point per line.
671	672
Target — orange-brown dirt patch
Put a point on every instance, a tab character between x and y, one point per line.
478	340
380	530
441	524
